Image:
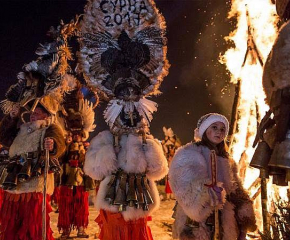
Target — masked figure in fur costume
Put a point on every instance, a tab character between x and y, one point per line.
272	153
74	205
34	145
21	215
123	57
170	144
211	199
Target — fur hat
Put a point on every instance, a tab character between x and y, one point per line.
205	121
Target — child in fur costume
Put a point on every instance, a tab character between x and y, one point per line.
21	213
198	197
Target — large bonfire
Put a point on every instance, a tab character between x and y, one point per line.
253	38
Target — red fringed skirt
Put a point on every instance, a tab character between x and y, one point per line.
1	197
167	186
114	227
21	217
73	208
56	195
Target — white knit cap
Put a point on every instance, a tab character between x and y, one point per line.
205	121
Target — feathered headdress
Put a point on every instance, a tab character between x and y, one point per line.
123	55
45	75
78	112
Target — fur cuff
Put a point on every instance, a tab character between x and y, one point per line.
157	166
101	160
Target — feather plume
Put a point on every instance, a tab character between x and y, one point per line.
88	115
112	111
104	43
146	108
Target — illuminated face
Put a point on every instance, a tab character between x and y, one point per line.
216	132
38	114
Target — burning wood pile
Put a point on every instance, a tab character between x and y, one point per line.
259	65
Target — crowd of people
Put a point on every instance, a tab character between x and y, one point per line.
46	155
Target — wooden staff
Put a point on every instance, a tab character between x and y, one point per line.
214	183
46	166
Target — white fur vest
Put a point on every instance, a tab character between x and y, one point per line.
133	157
189	171
30	139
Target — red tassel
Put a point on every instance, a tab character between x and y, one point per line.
114	227
73	208
22	219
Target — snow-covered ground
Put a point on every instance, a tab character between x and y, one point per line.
160	224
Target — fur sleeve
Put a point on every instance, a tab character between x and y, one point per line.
245	214
8	130
101	160
56	134
187	176
157	166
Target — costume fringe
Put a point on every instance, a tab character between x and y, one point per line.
55	197
167	187
114	227
73	208
21	217
1	197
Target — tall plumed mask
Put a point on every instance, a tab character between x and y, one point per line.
123	57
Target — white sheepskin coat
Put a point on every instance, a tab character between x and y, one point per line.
28	139
133	157
189	171
277	67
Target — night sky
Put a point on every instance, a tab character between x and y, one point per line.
197	83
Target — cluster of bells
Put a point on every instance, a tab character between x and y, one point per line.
274	162
129	189
18	170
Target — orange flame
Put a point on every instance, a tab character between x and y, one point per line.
253	38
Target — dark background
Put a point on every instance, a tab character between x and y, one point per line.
197	83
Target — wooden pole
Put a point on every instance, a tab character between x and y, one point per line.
264	201
234	117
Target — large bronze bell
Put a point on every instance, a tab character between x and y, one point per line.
110	196
147	196
120	198
140	193
37	168
261	156
281	154
131	194
11	180
25	171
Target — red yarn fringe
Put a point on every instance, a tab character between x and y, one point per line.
21	217
114	227
1	197
56	195
73	208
